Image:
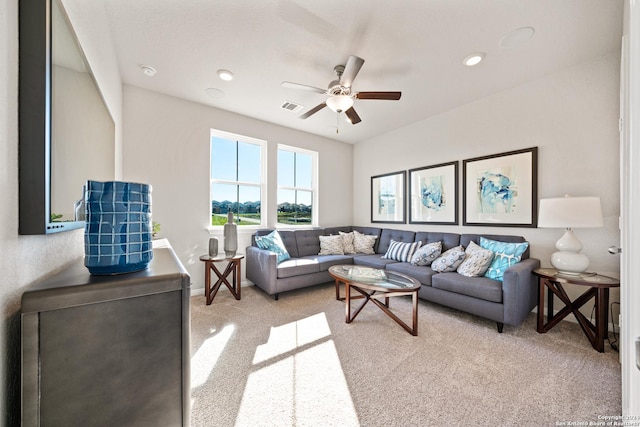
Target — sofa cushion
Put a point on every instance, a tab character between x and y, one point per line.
328	231
307	242
401	251
347	242
331	245
476	261
288	238
466	238
374	260
476	287
505	255
363	243
422	273
297	267
389	234
273	242
449	240
427	254
373	231
449	261
326	261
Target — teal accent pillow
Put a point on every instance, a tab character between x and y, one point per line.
273	242
505	255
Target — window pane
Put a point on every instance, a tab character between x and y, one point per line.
223	198
249	163
223	159
286	206
303	207
303	170
285	168
248	212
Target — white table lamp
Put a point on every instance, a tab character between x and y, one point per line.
570	212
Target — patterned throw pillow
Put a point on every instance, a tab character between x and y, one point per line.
331	245
449	261
505	255
363	243
427	254
347	242
273	242
476	262
401	251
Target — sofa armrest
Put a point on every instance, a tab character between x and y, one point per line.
520	291
262	268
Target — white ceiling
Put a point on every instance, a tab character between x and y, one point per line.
413	46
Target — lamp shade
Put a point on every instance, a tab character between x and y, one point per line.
339	103
570	212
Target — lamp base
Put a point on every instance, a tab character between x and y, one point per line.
570	262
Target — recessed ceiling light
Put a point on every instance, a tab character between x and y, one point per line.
148	71
516	37
225	75
473	59
215	93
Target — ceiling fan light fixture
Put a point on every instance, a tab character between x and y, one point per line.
473	59
339	103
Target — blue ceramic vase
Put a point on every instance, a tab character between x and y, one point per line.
118	230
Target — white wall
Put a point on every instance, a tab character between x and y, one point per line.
27	259
167	146
571	115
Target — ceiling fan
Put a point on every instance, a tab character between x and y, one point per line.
341	97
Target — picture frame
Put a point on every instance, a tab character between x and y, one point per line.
388	198
433	194
501	190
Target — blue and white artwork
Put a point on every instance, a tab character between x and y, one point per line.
497	192
432	193
387	198
501	189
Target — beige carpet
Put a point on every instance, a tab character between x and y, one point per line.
295	362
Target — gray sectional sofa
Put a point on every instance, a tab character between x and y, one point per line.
509	301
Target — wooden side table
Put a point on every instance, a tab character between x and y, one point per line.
232	268
598	288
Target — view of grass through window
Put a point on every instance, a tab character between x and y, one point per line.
295	187
236	181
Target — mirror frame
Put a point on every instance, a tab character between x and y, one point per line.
34	122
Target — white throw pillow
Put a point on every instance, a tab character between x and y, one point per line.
363	243
401	251
347	242
476	262
449	261
427	254
331	245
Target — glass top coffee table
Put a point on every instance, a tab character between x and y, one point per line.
373	284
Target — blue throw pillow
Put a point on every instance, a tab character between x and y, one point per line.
273	242
505	255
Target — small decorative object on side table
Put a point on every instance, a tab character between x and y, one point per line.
232	268
598	285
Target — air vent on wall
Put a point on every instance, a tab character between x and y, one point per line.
290	106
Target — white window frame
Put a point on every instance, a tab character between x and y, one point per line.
313	189
263	177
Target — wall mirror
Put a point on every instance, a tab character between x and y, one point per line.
66	133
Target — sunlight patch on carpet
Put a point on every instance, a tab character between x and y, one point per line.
299	378
205	359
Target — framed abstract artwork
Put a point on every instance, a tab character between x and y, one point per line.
501	190
433	194
387	198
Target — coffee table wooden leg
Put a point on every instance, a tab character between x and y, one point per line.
415	314
347	300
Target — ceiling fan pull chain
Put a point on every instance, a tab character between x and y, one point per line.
337	123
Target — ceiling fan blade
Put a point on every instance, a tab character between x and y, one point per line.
351	70
303	87
313	110
353	116
391	96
